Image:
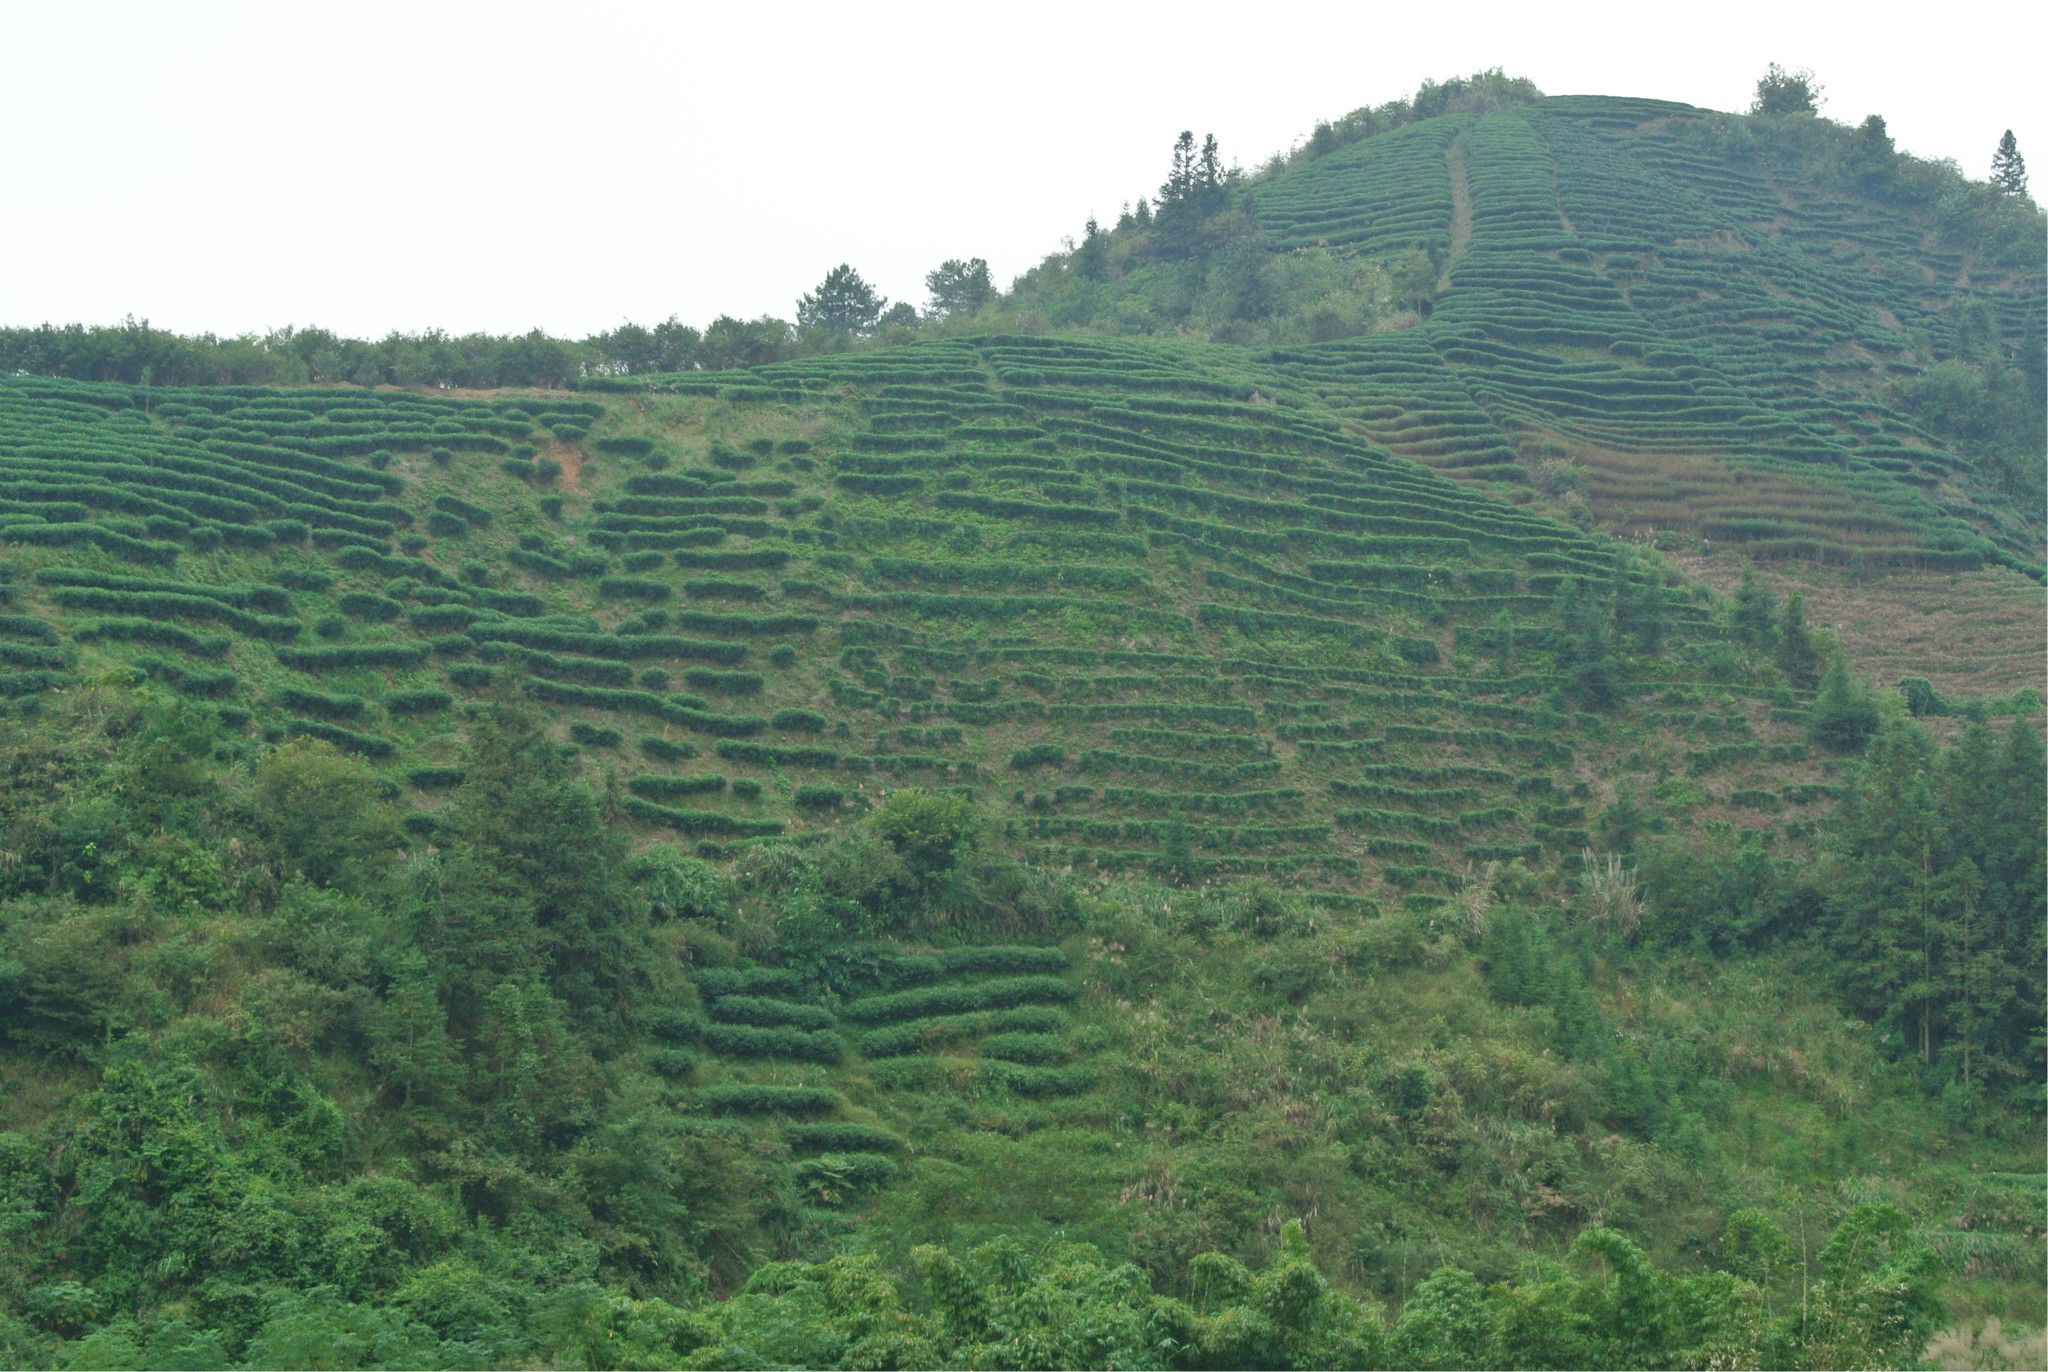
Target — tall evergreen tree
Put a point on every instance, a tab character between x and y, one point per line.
2008	168
1844	715
843	303
958	287
1091	259
1797	658
1755	614
1586	644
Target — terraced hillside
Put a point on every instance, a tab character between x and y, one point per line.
1159	614
1644	292
486	876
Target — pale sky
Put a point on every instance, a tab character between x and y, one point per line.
369	166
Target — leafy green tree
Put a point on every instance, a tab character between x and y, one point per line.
958	288
927	828
1781	92
2008	168
324	812
842	303
731	342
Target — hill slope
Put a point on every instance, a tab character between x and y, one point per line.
479	867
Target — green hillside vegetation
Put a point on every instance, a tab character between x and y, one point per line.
1127	824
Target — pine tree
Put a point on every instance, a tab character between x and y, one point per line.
1797	658
843	303
1754	617
2008	168
1091	259
1844	715
958	287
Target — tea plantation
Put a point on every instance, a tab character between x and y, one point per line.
1042	846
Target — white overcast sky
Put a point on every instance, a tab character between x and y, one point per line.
502	166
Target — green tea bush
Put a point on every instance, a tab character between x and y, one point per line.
417	702
369	745
926	1035
326	706
700	822
655	787
815	797
365	605
1038	755
749	981
749	1041
925	1002
768	1013
726	683
435	778
841	1172
593	736
666	750
154	631
361	655
633	588
778	755
749	1099
1037	1050
844	1136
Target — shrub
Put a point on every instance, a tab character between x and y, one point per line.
592	736
798	721
927	1001
1037	1050
749	981
1005	959
633	588
844	1136
767	1013
726	683
655	787
417	702
364	605
812	797
472	676
749	1099
778	755
361	655
701	822
434	778
1038	755
749	1041
326	706
836	1173
666	750
369	745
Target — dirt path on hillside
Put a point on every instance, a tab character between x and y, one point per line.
1461	211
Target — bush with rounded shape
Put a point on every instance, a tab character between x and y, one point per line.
926	828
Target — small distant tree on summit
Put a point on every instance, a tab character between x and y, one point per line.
2008	168
843	303
1787	92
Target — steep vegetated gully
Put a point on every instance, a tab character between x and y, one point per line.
1170	619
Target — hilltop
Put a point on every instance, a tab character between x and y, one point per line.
1268	739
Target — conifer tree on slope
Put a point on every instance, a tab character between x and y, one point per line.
2008	168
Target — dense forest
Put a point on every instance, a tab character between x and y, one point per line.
1274	795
